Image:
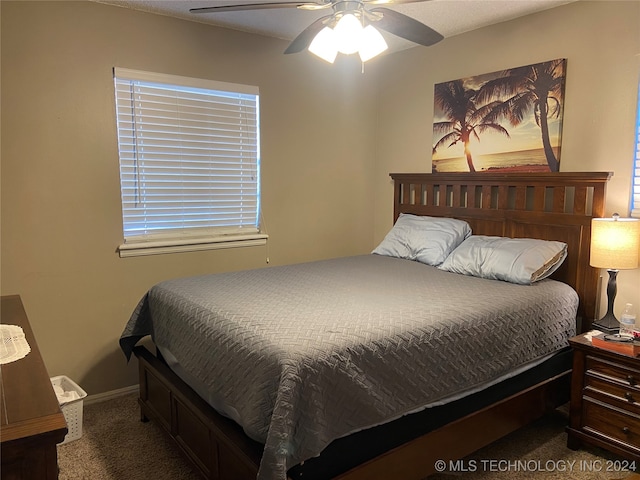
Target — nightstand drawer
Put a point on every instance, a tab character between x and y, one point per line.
612	422
613	371
622	396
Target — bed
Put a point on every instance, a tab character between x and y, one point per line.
373	385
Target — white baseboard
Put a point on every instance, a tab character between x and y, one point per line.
101	397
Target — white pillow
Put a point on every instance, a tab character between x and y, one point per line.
425	239
515	260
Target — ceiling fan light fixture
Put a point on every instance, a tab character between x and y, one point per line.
347	22
325	45
371	44
348	32
348	36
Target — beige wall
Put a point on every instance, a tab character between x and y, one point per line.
61	213
330	136
601	42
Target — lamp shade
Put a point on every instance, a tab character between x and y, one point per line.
325	45
371	43
348	32
615	243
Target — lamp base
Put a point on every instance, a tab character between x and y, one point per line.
607	324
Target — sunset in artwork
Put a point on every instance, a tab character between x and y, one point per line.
509	120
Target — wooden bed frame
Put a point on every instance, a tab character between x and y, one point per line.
550	206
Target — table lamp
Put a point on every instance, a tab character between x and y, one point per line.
615	243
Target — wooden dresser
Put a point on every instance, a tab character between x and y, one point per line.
32	423
605	400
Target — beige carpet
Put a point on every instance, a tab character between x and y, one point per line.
116	445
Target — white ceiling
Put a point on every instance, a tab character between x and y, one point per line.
448	17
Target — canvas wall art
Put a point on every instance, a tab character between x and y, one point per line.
509	120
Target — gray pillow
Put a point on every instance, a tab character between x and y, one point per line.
425	239
516	260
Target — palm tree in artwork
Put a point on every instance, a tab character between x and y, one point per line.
464	120
537	87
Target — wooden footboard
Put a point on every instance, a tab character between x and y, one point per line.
218	449
216	446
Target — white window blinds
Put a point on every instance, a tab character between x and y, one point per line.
635	201
189	157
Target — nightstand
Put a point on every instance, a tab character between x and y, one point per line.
605	400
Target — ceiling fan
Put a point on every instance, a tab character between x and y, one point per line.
349	29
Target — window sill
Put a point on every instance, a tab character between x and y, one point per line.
137	249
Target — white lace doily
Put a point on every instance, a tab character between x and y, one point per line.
13	344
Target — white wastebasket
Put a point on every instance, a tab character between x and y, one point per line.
70	396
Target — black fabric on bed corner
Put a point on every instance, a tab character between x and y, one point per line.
348	452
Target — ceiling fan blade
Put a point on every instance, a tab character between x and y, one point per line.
261	6
406	27
303	40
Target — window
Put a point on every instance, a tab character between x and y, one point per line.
635	198
189	163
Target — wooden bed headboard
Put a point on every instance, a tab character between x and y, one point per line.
549	206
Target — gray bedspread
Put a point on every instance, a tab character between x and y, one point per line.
301	355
